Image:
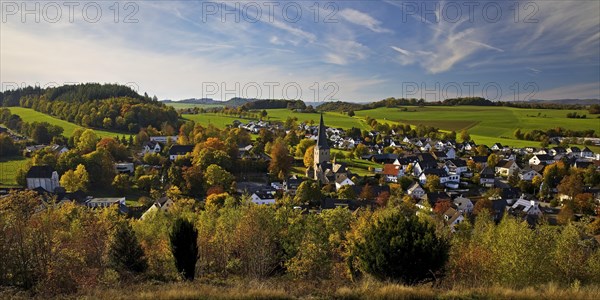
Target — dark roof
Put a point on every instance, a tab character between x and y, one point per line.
510	193
181	149
426	157
40	172
322	136
436	172
487	172
479	159
544	157
457	162
434	197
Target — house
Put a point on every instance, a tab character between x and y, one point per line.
178	151
44	177
539	159
262	198
507	167
151	147
528	174
453	217
556	151
463	204
587	153
480	159
451	153
124	168
164	139
415	190
449	180
291	185
429	200
58	149
487	177
391	172
527	207
456	166
162	204
423	165
342	180
497	147
574	152
107	202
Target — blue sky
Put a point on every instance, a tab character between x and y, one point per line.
344	50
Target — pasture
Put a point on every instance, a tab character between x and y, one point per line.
9	167
30	115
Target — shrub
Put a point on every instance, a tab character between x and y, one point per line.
401	248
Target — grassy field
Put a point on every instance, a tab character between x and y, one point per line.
8	169
279	288
30	115
494	122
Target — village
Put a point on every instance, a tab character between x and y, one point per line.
442	177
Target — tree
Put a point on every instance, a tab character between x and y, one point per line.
87	141
184	246
281	160
433	183
483	204
465	136
482	150
303	145
571	185
346	192
493	160
400	248
125	253
121	183
361	150
366	193
215	175
309	158
308	192
351	113
441	207
75	180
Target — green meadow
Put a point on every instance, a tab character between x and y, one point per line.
9	167
30	115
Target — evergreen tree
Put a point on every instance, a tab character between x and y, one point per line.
126	253
401	248
184	246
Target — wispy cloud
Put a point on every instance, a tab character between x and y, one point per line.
360	18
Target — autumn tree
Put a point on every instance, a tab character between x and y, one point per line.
571	185
281	160
465	136
303	145
87	142
308	192
433	183
75	180
309	157
121	183
347	192
217	176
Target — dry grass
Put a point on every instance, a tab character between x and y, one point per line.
282	288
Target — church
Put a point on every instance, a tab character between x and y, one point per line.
324	170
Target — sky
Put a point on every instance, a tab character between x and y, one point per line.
313	50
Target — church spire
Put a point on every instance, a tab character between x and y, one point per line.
322	135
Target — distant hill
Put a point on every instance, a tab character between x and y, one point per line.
568	101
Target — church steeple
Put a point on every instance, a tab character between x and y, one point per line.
321	153
322	136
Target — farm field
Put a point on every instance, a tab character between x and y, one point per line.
8	169
30	115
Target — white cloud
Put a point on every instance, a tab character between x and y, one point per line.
362	19
345	51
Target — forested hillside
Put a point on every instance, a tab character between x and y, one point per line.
108	106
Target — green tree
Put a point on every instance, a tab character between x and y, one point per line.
347	192
308	192
217	176
401	248
433	183
303	145
121	183
184	246
125	253
465	136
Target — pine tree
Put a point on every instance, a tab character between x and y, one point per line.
126	253
184	246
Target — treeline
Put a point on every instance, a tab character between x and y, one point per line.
40	132
62	249
106	106
542	135
274	103
340	106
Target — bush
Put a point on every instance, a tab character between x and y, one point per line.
401	248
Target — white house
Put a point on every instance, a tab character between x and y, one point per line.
341	181
528	174
106	202
531	208
262	198
453	217
164	138
587	153
178	151
162	204
541	159
151	147
415	190
507	168
124	168
42	176
456	166
463	204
